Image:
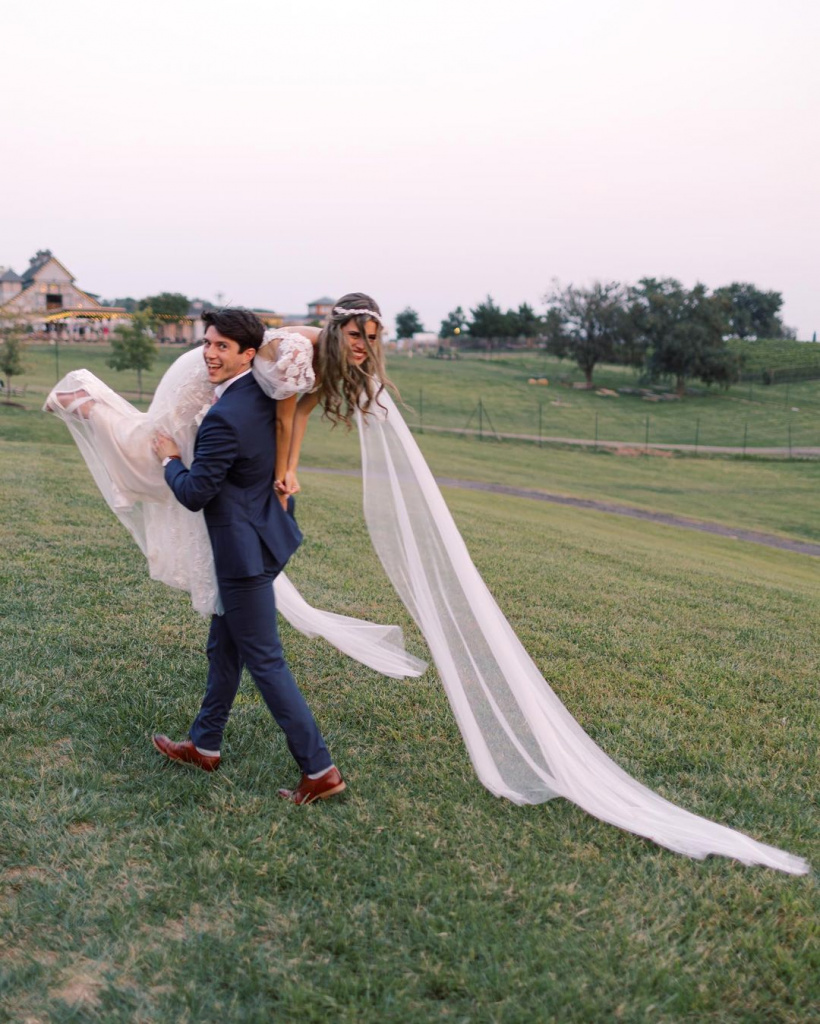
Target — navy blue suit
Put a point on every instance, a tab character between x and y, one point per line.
231	480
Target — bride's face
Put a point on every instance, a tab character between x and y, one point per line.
352	334
223	358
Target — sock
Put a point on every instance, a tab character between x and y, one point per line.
207	753
318	775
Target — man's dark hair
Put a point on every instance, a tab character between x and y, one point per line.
240	325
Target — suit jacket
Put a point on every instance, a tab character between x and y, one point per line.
231	480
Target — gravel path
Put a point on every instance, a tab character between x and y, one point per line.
752	536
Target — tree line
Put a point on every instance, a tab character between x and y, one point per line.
656	325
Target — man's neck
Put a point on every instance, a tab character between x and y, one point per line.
220	389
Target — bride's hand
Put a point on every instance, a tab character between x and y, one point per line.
291	483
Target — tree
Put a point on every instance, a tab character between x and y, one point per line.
751	312
683	331
133	346
11	352
167	304
553	331
586	324
128	304
489	322
454	324
408	323
524	322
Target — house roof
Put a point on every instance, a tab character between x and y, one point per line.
10	276
38	261
29	286
324	301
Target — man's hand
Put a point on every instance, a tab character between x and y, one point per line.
165	447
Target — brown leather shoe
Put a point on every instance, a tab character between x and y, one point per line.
185	751
309	789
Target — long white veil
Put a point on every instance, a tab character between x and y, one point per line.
523	743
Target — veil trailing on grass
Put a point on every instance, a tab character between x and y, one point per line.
115	441
523	743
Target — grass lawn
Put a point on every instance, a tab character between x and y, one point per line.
773	495
446	393
133	889
777	496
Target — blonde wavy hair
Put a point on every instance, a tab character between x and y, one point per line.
343	386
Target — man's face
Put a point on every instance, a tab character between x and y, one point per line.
351	332
223	358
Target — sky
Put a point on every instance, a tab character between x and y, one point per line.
427	153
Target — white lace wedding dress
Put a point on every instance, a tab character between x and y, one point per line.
115	441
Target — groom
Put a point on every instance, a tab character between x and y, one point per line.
252	536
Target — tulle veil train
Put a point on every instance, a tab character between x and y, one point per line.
523	743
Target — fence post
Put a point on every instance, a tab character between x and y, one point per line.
646	440
480	420
745	436
790	438
596	431
697	434
540	407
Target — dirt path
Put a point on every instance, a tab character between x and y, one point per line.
770	540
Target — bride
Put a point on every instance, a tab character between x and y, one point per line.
523	743
115	441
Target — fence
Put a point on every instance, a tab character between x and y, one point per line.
782	375
779	433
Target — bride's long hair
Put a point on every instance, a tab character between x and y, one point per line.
343	386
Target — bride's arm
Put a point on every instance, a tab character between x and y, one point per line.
312	333
285	409
306	405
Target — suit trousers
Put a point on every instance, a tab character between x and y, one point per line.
247	635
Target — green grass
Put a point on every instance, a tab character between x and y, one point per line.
777	355
775	496
44	362
132	889
446	393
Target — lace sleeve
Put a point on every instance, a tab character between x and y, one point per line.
284	364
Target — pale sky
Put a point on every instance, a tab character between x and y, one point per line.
429	153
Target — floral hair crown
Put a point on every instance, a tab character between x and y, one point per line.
341	311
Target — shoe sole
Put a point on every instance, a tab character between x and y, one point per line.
321	796
330	792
